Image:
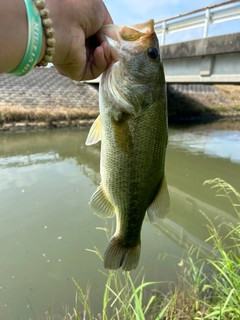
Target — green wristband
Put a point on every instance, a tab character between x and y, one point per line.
34	41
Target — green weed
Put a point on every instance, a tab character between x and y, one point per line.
195	296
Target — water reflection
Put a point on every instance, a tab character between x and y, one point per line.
193	234
32	159
219	144
46	181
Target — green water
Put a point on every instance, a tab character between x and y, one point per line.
46	225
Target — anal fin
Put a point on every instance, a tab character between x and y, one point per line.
100	204
159	207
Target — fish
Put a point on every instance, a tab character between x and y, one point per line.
133	130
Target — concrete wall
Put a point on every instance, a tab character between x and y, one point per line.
209	60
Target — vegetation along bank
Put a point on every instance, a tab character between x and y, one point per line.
45	99
197	294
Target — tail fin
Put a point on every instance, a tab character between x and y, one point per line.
116	255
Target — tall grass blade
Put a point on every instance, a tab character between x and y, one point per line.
165	308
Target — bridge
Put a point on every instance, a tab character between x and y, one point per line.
213	59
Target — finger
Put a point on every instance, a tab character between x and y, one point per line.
101	60
102	55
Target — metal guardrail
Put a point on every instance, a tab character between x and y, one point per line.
222	12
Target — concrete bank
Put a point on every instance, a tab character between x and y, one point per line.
45	99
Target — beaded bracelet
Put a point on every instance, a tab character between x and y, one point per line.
34	41
49	32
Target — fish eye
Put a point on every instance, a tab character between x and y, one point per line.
153	52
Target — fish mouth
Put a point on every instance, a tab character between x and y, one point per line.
123	37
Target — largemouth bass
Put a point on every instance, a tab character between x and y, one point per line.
132	127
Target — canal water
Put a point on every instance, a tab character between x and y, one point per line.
46	225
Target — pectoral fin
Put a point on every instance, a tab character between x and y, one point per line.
100	204
161	203
95	133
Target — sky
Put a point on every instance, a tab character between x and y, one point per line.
129	12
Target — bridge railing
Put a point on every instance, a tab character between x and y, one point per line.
222	12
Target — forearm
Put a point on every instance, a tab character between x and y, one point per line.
75	23
13	34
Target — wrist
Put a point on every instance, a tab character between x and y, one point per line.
48	31
41	43
13	21
57	11
34	43
43	48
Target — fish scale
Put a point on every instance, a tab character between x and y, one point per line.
124	167
132	127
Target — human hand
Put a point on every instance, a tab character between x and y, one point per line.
79	55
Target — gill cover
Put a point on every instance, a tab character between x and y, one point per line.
132	79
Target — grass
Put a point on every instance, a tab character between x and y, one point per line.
225	283
236	107
181	107
196	295
19	114
223	103
122	299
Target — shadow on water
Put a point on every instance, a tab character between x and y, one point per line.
62	160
